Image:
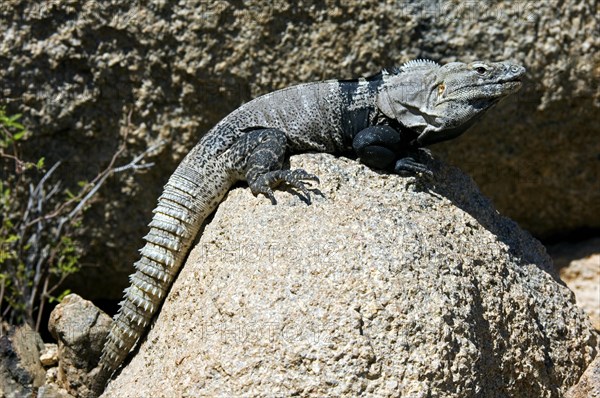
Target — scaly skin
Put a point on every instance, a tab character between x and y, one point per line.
385	119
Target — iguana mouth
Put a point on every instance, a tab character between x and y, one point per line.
493	89
514	79
510	85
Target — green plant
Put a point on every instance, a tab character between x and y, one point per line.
39	221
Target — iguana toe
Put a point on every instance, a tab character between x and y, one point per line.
409	166
297	178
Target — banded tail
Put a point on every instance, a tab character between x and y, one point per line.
188	198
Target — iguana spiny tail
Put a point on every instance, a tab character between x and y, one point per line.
384	119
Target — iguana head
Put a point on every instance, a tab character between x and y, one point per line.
441	102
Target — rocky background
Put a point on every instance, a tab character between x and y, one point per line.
76	69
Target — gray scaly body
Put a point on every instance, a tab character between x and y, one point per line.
384	119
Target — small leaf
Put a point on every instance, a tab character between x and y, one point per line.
69	194
19	135
12	238
40	164
60	297
14	117
64	294
16	125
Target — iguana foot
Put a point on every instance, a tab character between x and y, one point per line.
297	178
409	166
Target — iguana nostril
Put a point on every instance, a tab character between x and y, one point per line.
515	68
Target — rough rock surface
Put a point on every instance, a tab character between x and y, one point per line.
49	355
76	69
80	329
589	384
579	267
379	287
21	371
52	391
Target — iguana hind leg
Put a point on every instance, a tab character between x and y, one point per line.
260	154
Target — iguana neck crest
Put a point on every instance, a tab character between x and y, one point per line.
418	64
441	102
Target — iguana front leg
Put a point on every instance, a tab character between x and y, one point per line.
259	155
383	147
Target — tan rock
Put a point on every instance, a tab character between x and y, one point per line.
53	391
52	375
583	277
380	287
80	329
21	372
579	267
589	384
49	356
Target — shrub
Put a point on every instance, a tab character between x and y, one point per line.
39	220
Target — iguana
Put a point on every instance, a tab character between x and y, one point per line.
384	119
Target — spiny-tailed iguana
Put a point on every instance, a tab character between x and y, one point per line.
384	119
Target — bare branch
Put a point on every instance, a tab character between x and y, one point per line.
34	193
133	164
42	302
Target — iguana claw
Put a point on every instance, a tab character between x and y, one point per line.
409	166
297	178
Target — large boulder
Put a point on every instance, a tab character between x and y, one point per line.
77	69
383	286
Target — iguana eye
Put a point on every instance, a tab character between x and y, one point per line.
441	89
480	69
